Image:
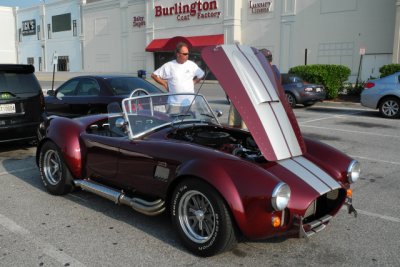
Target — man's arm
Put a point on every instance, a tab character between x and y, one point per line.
160	81
196	80
199	74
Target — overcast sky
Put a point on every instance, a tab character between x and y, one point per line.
20	3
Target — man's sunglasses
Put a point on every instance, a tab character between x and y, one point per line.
185	54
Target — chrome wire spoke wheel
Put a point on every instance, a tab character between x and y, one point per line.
390	108
196	216
52	167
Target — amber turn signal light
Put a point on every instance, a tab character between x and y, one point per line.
349	192
276	221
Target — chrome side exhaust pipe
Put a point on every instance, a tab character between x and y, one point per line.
148	208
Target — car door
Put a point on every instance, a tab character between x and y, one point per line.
87	94
145	165
75	98
57	103
102	153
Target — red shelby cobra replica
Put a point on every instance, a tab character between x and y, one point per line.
169	153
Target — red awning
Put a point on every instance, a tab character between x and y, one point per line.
194	42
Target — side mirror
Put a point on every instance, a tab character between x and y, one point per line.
51	92
120	123
219	113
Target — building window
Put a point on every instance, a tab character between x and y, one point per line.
61	22
30	61
38	32
49	31
74	29
40	64
19	35
63	63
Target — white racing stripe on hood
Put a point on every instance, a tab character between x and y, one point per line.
311	174
321	174
265	100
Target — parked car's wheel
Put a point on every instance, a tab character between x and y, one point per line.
55	175
291	99
390	107
201	218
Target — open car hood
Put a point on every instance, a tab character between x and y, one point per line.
249	81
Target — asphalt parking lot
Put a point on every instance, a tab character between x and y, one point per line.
81	229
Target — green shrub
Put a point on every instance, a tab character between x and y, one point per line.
330	76
386	70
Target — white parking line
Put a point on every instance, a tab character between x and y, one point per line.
340	107
377	160
349	114
376	215
47	249
349	131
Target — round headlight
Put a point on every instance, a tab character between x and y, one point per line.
280	196
353	172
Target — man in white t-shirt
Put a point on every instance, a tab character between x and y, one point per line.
179	76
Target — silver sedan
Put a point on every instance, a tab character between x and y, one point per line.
383	94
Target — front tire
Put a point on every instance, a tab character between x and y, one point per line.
390	108
201	218
56	177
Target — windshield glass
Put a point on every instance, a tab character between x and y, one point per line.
147	113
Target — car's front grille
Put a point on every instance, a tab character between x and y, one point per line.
324	205
319	213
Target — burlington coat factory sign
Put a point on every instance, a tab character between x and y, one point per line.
186	11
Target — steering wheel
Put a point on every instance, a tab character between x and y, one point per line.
138	92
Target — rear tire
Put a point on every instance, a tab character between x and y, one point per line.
56	177
201	218
291	99
390	108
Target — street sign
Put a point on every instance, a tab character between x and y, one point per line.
55	58
362	51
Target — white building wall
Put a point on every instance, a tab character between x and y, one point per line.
102	33
396	42
332	31
136	39
44	46
28	45
64	43
8	46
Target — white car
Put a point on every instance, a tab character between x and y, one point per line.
383	94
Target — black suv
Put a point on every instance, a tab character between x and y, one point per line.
21	103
